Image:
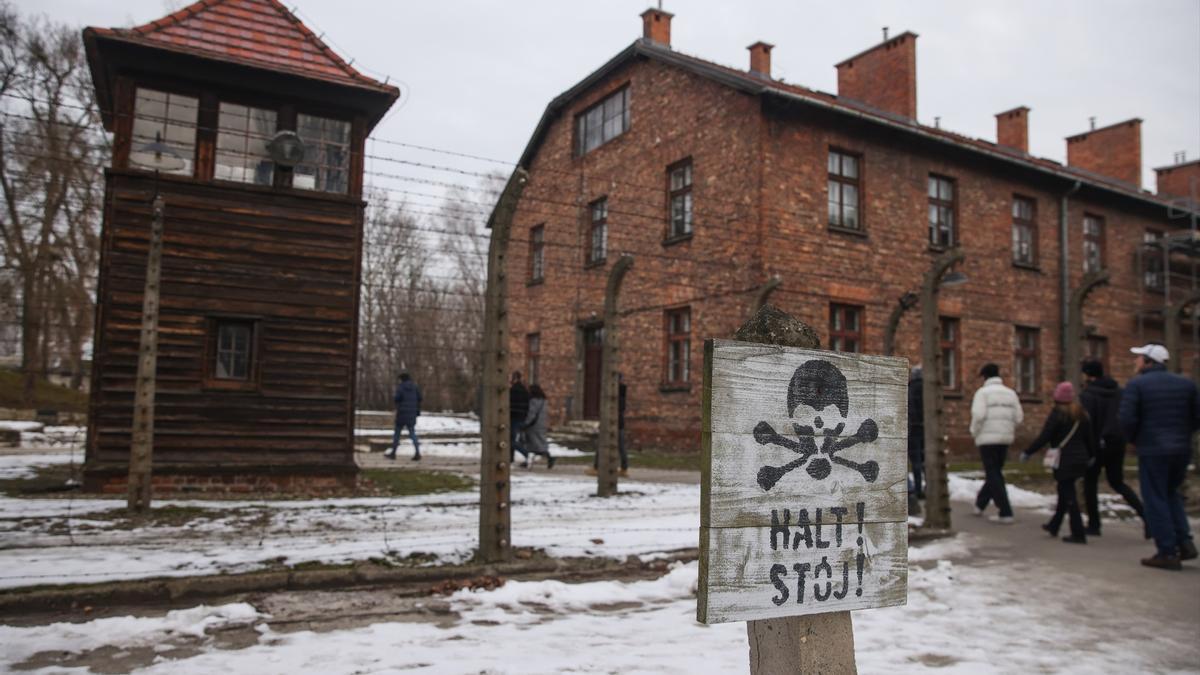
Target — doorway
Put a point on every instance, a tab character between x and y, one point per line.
593	369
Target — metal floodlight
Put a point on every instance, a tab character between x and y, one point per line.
157	156
954	278
286	149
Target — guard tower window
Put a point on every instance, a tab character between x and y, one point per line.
168	118
242	136
326	163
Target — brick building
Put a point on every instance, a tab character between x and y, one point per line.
726	185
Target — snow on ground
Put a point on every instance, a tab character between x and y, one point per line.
438	449
430	423
25	465
127	631
20	425
964	487
956	615
79	540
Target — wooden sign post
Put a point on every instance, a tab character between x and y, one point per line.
803	493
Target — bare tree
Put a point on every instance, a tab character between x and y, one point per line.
50	154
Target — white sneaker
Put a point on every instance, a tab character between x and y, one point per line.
1002	520
978	511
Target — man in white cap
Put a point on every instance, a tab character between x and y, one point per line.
1159	412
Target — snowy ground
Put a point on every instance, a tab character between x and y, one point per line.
82	540
957	616
431	423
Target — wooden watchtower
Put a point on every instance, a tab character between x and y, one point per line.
261	260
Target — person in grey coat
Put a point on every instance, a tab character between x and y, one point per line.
534	427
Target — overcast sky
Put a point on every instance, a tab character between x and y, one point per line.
477	74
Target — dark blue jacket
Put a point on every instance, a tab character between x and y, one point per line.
1159	412
408	402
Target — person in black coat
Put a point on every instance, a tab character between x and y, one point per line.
408	409
916	430
1100	398
518	408
1068	429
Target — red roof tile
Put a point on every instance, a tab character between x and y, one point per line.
259	33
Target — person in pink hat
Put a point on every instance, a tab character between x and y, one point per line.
1068	432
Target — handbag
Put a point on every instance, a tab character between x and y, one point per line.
1054	455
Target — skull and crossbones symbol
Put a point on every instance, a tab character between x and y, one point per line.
817	385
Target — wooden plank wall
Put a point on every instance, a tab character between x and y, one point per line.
286	260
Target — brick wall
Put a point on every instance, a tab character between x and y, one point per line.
759	176
228	483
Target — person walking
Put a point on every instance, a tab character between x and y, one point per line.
408	409
518	409
534	427
1068	432
916	430
1100	398
1159	411
995	414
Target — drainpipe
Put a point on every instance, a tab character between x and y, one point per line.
1064	271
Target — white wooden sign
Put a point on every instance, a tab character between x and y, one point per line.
804	503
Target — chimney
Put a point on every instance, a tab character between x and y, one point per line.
1179	180
884	76
656	26
760	59
1114	151
1012	129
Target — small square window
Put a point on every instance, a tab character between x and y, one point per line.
233	350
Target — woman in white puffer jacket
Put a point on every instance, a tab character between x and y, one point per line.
995	414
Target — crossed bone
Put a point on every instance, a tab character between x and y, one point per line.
806	447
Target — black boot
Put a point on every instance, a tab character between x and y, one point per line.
1075	539
1187	550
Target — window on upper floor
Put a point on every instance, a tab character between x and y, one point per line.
942	209
948	329
602	122
1096	347
845	181
678	346
537	254
243	133
845	328
1093	243
1024	231
168	118
598	235
326	163
533	357
679	190
1153	278
1025	360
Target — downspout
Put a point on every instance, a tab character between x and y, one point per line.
1064	274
